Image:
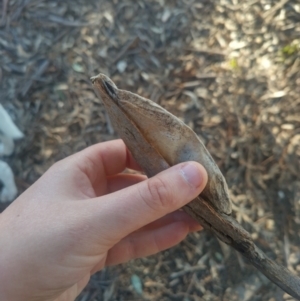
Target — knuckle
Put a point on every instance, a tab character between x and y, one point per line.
159	194
132	250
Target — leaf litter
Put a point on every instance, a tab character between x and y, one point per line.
229	69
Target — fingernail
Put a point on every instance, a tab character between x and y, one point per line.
192	174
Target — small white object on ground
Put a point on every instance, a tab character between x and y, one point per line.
7	145
9	190
8	132
7	126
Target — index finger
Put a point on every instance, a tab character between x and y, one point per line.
111	156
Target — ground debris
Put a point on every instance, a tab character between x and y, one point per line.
229	69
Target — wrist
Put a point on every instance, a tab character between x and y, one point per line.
10	286
5	277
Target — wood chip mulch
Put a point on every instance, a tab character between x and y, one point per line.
230	69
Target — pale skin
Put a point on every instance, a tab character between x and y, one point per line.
84	214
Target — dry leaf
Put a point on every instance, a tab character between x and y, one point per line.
143	123
157	140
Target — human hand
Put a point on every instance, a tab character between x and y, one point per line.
84	214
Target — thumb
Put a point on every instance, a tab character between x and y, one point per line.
118	214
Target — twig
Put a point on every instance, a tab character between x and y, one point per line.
268	15
229	231
125	48
34	77
19	8
4	10
208	51
188	270
65	22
